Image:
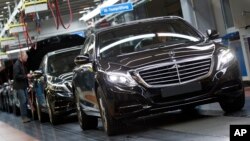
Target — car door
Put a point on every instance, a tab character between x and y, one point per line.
84	76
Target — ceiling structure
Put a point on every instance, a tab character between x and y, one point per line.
76	5
4	14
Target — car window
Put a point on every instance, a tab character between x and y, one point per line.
146	36
55	67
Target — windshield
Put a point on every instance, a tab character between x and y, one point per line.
144	36
62	62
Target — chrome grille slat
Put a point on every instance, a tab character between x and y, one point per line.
208	61
176	72
191	55
194	71
194	75
208	51
158	70
194	68
159	74
165	81
161	78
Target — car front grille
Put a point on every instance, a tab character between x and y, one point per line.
69	86
176	73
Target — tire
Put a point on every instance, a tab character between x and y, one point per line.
234	104
7	105
52	117
40	115
111	126
189	109
10	109
16	110
86	122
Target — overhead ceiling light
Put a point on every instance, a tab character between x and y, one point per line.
82	12
5	7
16	50
1	15
7	2
86	8
97	10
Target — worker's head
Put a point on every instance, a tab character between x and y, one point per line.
23	56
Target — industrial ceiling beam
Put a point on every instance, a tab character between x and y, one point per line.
12	17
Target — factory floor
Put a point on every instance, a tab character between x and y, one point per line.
206	123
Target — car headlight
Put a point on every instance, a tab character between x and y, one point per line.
58	88
121	78
224	59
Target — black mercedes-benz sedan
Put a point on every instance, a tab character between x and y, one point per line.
151	66
52	84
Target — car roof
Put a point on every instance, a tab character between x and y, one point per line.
98	31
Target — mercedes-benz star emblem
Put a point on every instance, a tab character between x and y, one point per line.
175	66
171	54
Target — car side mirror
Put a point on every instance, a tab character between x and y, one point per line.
212	34
81	59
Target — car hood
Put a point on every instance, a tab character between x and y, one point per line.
154	56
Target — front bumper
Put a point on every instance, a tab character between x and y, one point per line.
62	103
132	102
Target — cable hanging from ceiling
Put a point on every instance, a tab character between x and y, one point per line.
25	28
56	13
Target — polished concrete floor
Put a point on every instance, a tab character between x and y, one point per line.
207	123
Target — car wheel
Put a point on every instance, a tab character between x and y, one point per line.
11	107
86	122
7	105
234	104
40	115
189	109
52	117
111	126
16	110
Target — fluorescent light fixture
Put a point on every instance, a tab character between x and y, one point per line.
82	12
7	2
1	15
5	7
16	50
96	11
87	8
